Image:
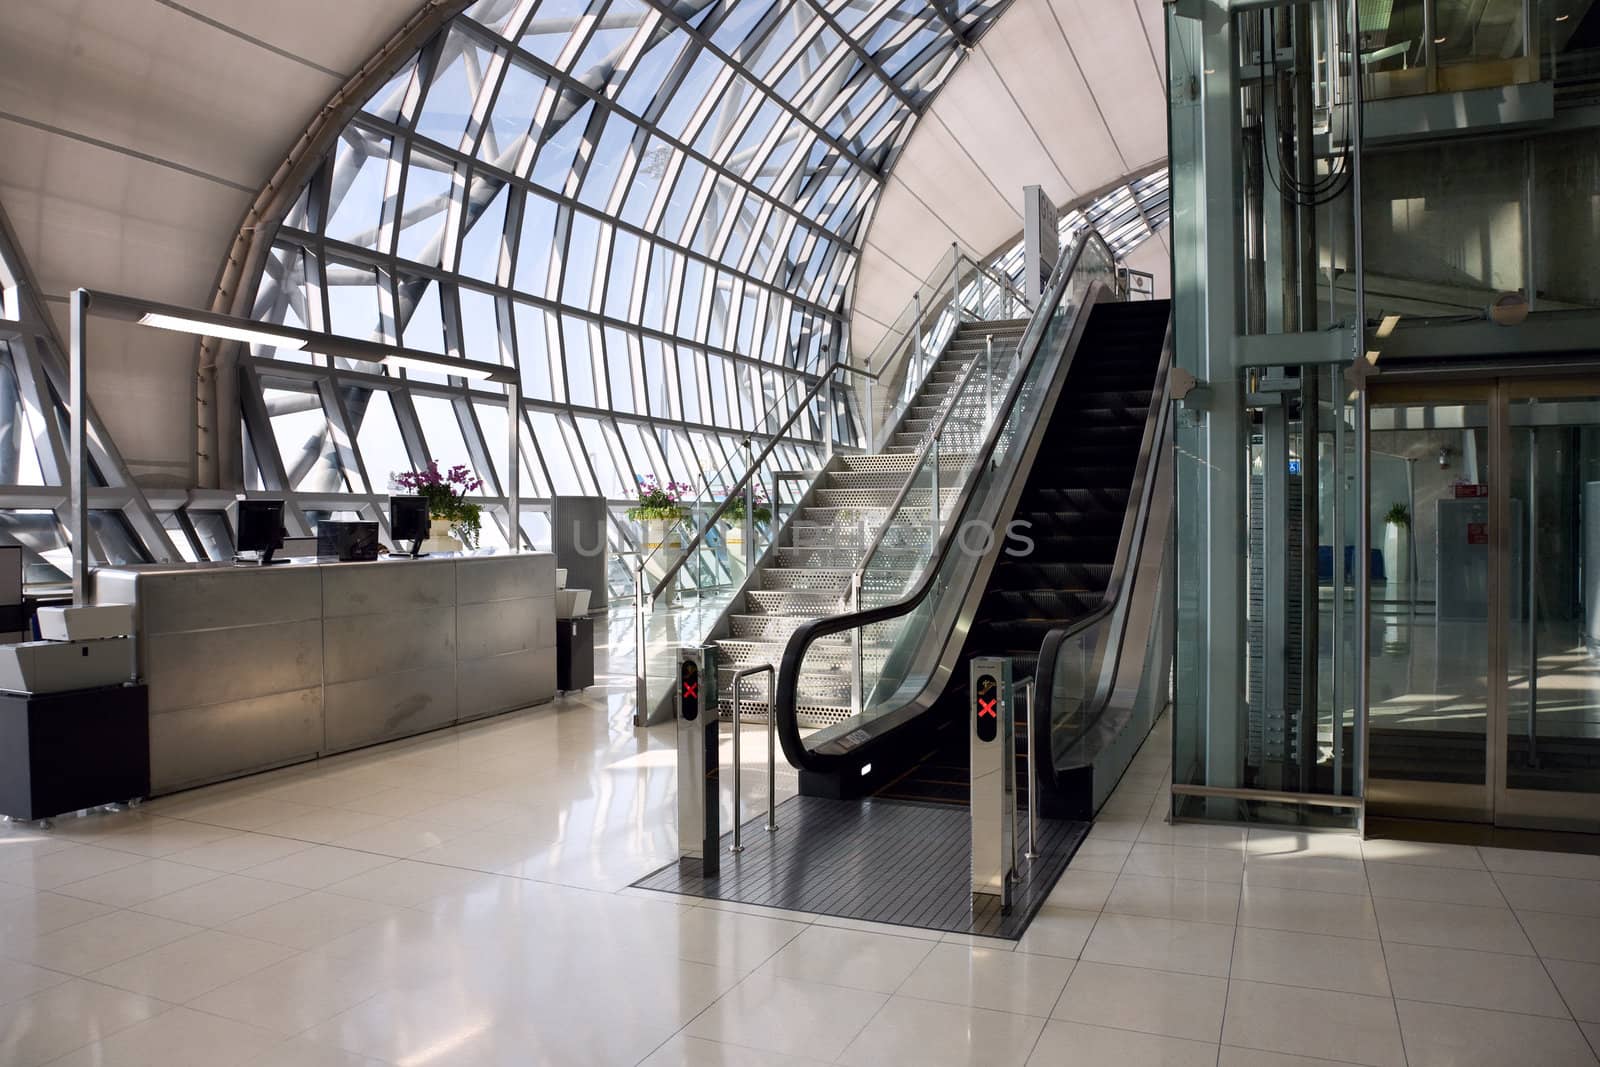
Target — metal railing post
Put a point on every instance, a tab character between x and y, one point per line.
1029	688
916	304
857	667
772	749
772	753
641	651
935	512
955	281
749	517
988	379
829	410
871	419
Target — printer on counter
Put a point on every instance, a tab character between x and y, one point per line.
82	647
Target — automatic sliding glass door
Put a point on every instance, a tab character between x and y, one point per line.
1432	689
1550	737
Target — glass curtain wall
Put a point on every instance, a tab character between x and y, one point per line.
652	211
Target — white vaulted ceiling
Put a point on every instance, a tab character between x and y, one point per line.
134	134
1065	94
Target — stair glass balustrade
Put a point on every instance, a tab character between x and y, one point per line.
848	673
690	574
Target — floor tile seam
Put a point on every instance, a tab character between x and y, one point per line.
969	1004
1383	950
1479	1008
1243	925
293	953
1227	992
102	1035
62	890
887	1000
1545	967
1531	954
1280	1052
1102	1025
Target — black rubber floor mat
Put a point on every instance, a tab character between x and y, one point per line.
878	860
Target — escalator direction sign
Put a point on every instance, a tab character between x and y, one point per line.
987	708
689	691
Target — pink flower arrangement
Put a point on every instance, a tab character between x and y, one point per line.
446	494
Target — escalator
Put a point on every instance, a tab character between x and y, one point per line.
1069	520
1058	477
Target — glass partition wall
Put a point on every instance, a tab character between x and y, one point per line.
1363	621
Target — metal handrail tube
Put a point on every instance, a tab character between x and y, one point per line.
944	417
929	444
772	752
800	639
755	465
1118	584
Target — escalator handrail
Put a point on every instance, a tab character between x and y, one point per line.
1120	585
787	687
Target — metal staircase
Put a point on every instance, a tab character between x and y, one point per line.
809	575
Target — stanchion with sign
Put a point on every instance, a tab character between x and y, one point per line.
994	782
699	789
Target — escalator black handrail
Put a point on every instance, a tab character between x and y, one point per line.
1120	584
787	689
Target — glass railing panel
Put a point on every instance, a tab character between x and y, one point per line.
895	660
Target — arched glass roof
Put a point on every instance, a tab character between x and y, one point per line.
652	210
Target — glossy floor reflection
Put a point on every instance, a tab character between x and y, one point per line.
457	900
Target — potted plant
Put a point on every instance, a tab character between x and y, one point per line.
1397	544
733	523
454	521
660	512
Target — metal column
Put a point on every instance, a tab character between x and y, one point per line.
78	414
699	782
994	781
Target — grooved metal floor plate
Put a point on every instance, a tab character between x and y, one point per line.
884	861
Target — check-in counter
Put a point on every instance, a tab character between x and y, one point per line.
256	667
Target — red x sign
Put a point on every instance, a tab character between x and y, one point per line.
691	690
986	708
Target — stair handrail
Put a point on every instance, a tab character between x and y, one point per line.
806	633
1119	586
732	494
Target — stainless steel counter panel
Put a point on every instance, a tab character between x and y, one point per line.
392	586
500	580
255	667
369	710
192	746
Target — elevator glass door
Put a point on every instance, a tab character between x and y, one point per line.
1483	697
1549	771
1431	684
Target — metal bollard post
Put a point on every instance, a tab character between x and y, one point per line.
699	781
993	781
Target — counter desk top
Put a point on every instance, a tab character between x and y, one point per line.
252	667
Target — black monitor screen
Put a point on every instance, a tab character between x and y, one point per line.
260	525
408	518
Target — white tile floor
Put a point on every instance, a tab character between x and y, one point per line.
460	899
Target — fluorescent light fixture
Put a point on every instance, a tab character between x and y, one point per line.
1386	327
479	371
181	324
1372	357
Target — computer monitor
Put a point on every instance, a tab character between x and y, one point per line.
408	521
261	528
